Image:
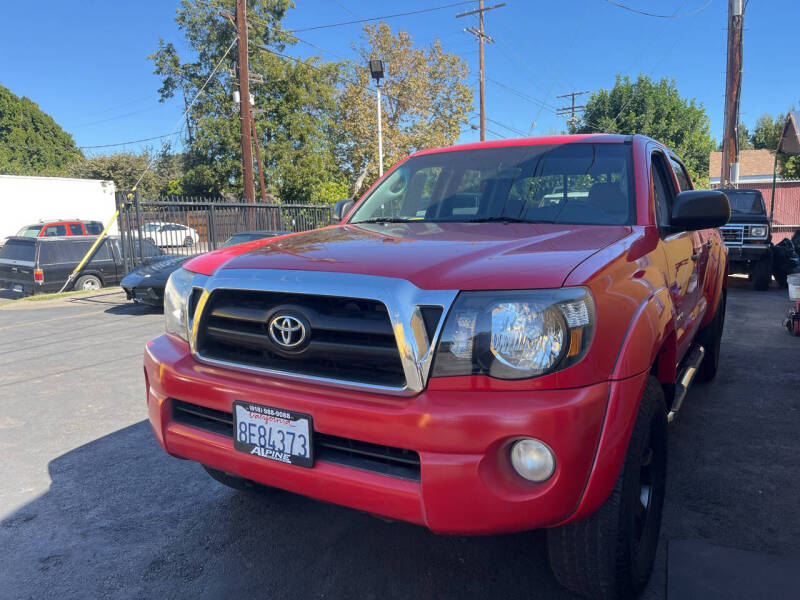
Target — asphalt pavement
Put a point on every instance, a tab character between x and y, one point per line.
91	507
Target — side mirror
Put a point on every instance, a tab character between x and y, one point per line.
340	209
700	209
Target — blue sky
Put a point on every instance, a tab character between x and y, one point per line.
85	62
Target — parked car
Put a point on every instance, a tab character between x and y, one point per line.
33	265
510	369
61	228
168	234
146	283
748	236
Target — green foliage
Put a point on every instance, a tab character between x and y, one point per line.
744	138
425	103
31	142
331	192
767	131
655	109
125	168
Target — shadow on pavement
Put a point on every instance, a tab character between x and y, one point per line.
122	518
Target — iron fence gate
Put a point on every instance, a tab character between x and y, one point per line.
189	226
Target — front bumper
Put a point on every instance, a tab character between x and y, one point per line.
152	295
466	483
750	252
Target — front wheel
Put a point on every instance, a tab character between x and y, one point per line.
762	273
610	554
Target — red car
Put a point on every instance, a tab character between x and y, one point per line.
492	340
61	228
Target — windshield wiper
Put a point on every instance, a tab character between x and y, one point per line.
500	220
382	220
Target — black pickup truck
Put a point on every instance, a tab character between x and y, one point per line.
748	236
35	265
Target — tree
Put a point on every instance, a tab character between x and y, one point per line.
125	169
655	109
744	138
295	104
767	132
31	142
425	102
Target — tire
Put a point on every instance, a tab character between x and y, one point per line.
189	241
610	554
762	274
233	481
87	283
710	338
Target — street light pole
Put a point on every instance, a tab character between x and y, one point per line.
380	134
377	71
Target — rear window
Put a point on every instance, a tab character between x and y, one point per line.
30	231
67	251
18	250
93	228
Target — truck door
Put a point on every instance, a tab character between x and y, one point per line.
703	240
683	252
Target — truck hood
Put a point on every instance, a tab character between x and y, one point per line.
463	256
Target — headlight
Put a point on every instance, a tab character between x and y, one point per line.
515	335
176	302
758	231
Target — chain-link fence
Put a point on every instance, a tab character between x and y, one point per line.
187	226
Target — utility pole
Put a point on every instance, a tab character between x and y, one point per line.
572	109
733	91
482	37
244	102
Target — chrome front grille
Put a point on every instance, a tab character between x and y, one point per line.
732	234
350	338
367	332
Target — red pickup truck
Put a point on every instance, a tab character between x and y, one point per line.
493	339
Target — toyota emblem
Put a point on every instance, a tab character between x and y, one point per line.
287	332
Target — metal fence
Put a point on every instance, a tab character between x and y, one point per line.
189	226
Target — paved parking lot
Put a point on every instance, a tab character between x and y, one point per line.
91	507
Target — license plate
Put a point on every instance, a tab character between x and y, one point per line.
273	433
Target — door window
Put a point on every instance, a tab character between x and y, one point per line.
75	229
53	230
680	175
662	191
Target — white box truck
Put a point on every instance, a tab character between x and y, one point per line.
26	200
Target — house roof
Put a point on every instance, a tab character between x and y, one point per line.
751	163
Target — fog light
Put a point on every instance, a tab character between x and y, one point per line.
533	460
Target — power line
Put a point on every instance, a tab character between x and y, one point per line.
504	126
523	95
656	15
384	17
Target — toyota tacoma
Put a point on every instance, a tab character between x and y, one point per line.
492	339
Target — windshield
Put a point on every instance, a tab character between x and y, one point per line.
30	231
743	201
568	183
